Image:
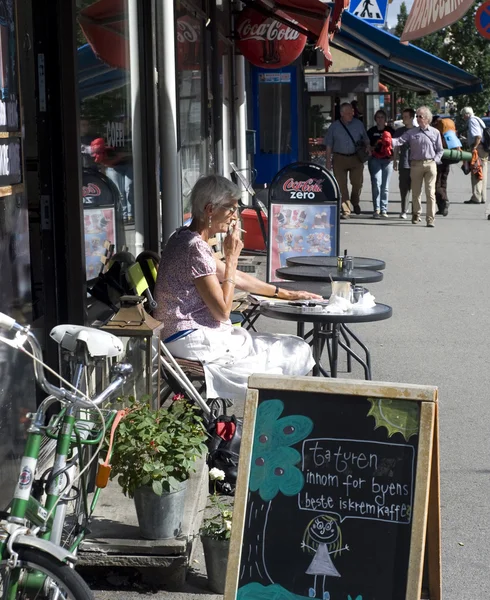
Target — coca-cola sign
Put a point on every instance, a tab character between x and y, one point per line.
90	190
266	42
302	190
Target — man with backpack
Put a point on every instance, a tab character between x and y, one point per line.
478	139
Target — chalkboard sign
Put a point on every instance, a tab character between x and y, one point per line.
335	492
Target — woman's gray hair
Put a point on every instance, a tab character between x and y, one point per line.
212	189
467	110
426	112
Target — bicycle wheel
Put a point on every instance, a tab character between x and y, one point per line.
41	577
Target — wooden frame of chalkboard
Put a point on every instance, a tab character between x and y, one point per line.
338	492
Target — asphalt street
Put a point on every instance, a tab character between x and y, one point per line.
438	283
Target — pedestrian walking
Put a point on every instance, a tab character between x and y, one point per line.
380	163
425	151
444	126
343	139
401	162
475	128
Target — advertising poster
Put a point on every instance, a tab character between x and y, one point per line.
300	230
99	228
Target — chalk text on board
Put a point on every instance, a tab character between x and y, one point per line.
360	479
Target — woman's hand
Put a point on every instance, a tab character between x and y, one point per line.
233	245
300	295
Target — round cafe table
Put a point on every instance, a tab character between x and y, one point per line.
374	264
327	327
328	273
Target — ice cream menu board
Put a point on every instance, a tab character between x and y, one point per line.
303	215
99	224
301	229
338	492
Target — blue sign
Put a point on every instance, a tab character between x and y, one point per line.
370	11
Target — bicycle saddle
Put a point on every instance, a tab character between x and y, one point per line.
99	343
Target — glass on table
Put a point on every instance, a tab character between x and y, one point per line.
357	293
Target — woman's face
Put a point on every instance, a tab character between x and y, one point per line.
223	216
380	120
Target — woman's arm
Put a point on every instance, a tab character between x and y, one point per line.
219	298
249	283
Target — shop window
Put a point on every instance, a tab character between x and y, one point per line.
191	97
105	129
275	118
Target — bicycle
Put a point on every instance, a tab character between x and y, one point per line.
37	554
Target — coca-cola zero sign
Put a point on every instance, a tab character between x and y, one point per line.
267	43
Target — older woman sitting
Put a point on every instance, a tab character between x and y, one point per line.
194	292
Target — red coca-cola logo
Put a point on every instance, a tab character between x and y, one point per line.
188	43
309	185
91	190
266	42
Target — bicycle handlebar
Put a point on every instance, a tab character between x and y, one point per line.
121	370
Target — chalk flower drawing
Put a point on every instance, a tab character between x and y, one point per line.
274	463
273	470
398	416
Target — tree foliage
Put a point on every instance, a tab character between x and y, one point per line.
461	45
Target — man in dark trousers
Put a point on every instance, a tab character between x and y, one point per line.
341	139
443	168
401	162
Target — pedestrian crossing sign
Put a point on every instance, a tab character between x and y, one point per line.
371	11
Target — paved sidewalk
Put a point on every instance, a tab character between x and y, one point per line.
438	283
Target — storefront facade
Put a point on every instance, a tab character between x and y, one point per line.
109	112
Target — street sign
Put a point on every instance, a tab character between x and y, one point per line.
371	11
482	20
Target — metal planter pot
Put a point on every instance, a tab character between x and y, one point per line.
160	517
216	557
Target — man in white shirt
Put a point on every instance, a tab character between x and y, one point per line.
475	129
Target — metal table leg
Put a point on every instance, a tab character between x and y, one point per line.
335	349
347	342
350	352
362	345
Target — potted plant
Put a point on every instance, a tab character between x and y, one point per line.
215	536
153	454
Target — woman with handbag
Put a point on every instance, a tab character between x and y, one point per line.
380	163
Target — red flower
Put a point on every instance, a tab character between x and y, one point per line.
178	397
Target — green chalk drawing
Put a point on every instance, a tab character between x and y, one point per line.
398	416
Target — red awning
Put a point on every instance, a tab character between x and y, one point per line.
428	16
312	17
104	25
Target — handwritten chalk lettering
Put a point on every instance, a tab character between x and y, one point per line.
343	460
358	479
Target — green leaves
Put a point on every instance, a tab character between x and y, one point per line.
157	487
157	448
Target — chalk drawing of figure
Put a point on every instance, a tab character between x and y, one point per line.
322	538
